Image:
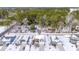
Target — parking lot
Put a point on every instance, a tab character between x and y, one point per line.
39	42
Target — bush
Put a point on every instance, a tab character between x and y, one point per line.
32	27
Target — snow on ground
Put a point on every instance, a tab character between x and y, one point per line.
34	49
52	48
44	45
11	48
1	47
2	28
66	44
27	48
